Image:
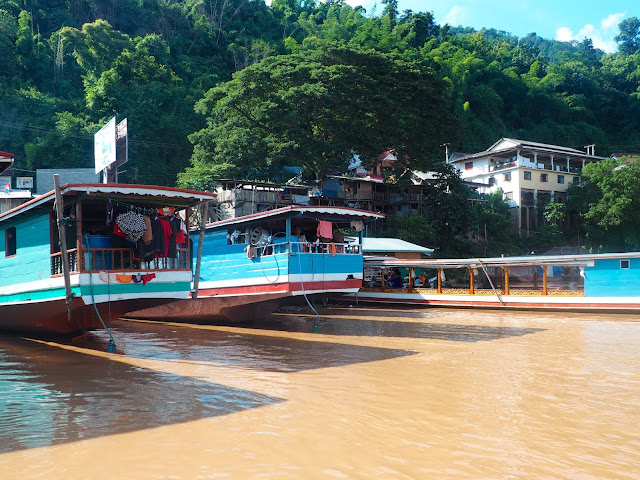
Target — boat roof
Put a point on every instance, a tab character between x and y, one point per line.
374	244
142	194
6	160
343	214
523	261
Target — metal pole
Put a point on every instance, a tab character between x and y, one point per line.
62	235
204	213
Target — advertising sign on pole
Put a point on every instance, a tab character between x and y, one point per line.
104	143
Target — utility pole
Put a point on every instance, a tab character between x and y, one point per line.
446	152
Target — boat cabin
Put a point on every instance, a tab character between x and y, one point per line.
294	249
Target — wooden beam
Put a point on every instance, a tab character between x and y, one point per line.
62	235
204	209
471	288
506	280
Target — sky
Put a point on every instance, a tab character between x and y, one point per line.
552	19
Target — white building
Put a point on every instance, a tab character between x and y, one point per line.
530	174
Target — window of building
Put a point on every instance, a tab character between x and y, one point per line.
527	175
625	264
10	242
576	180
492	180
508	195
468	165
544	177
560	178
507	177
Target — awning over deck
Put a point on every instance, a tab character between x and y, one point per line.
530	260
298	211
141	194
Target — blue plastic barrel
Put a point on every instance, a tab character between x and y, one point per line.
101	260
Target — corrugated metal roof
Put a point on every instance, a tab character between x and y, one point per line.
372	244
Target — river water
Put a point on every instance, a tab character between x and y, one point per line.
374	394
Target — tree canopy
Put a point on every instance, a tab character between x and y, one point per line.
239	87
318	108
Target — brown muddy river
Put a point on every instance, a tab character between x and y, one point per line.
375	394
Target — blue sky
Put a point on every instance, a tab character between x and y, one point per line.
554	19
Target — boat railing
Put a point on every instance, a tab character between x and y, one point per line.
295	248
56	262
124	259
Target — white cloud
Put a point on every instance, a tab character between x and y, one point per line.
602	37
564	34
456	15
612	21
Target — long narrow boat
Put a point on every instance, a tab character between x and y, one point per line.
261	253
593	282
254	263
108	275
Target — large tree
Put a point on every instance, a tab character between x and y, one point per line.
317	108
609	202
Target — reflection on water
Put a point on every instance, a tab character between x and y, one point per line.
50	396
251	351
375	394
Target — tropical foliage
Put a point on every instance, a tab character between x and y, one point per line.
237	87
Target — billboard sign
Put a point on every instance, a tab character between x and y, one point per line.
24	183
104	145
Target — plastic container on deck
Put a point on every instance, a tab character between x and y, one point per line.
101	259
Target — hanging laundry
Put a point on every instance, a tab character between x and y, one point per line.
147	237
325	229
123	278
147	277
132	224
181	237
166	233
172	251
157	243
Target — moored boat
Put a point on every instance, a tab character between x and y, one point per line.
292	250
593	282
108	275
254	263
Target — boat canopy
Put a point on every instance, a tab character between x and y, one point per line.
142	194
342	214
523	261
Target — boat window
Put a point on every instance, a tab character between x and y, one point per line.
624	264
10	242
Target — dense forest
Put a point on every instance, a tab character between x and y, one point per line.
235	87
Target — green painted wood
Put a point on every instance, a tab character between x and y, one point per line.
32	260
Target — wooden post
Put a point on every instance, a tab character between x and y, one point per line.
506	280
62	235
439	280
382	277
471	289
79	253
204	208
544	280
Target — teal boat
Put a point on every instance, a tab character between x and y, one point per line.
102	275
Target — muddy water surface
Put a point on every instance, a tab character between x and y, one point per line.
384	394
